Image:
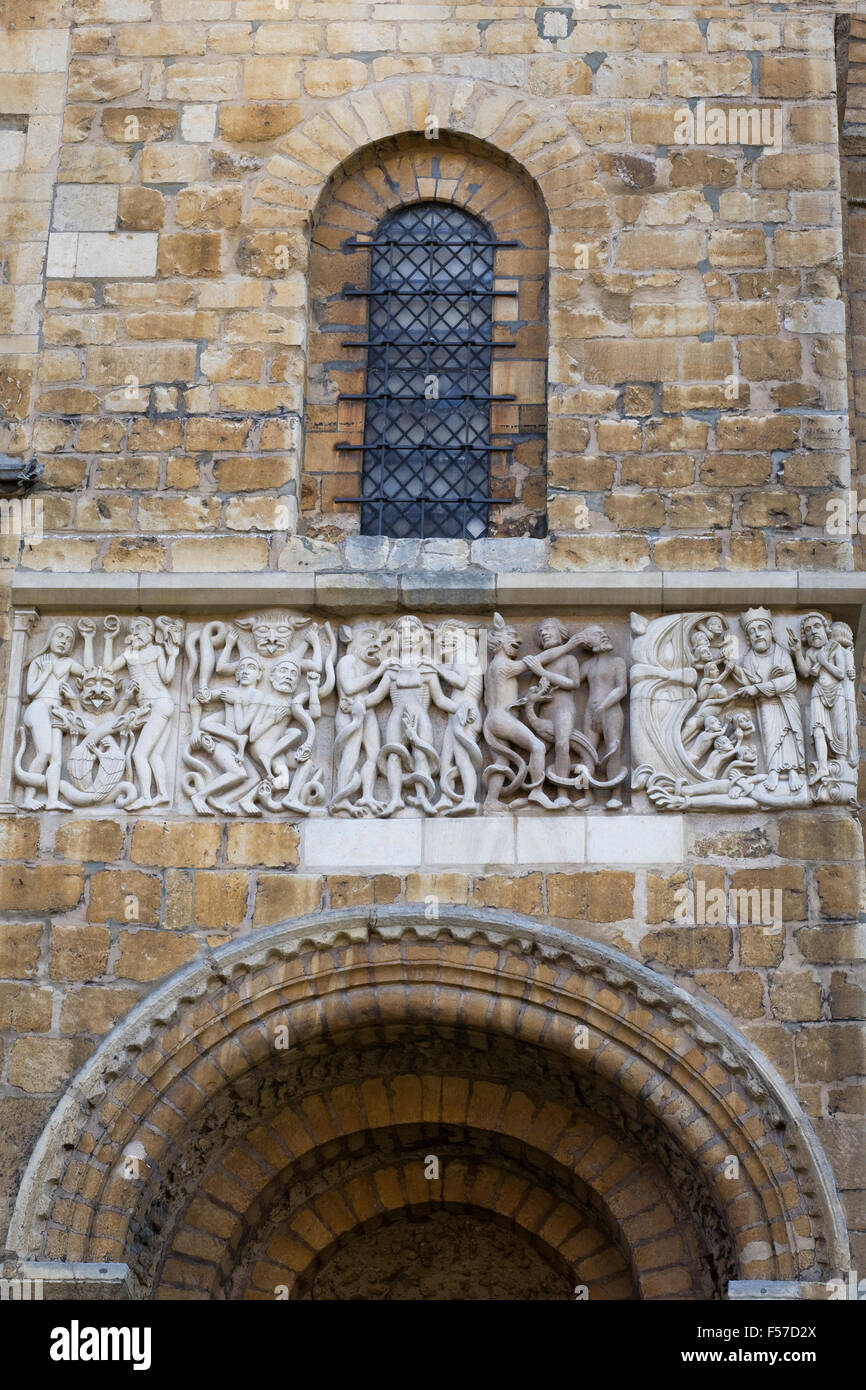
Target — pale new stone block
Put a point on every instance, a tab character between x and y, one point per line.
23	318
12	143
25	262
43	141
360	844
62	250
198	121
816	316
122	254
50	92
85	207
35	50
475	841
10	344
634	840
551	840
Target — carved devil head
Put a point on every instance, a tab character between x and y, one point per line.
273	638
99	689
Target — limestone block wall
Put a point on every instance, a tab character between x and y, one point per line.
696	378
853	144
33	67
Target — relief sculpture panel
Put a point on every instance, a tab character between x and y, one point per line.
743	712
252	745
290	714
96	724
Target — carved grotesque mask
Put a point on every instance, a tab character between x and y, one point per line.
367	644
99	690
272	638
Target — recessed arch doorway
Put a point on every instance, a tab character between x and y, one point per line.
330	1106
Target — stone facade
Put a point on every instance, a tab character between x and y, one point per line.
358	902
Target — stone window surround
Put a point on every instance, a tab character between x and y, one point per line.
376	181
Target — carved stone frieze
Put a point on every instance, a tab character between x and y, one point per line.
252	744
284	713
96	722
748	712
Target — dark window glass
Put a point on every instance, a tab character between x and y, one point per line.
427	426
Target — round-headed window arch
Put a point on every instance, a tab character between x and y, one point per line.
456	189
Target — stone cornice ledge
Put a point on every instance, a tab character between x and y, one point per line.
357	591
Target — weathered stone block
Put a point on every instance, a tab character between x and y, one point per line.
89	840
19	949
124	895
79	952
280	897
48	888
175	844
189	253
605	896
147	955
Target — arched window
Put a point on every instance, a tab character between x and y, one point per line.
426	450
421	252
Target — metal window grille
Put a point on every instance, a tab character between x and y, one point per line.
426	449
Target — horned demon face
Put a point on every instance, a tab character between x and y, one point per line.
272	639
99	689
365	642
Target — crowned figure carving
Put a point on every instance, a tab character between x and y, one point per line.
719	717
